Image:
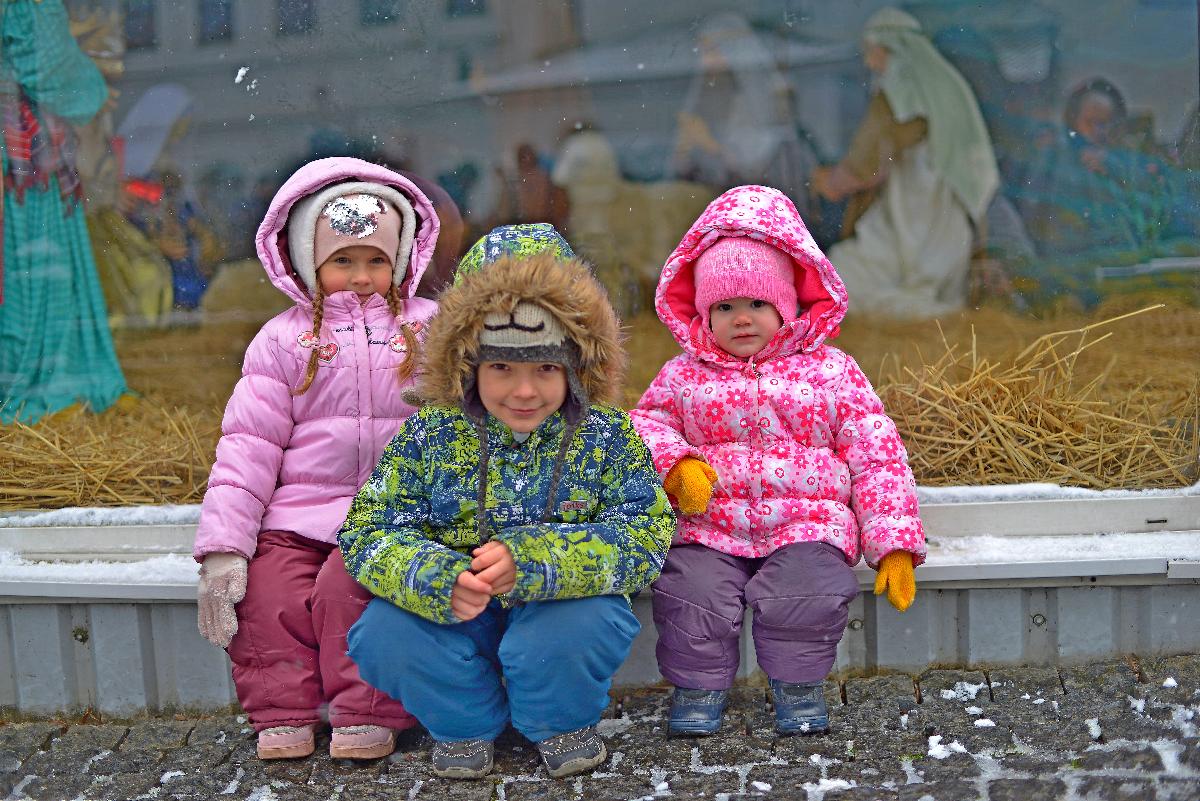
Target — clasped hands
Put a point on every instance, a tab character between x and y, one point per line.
690	482
493	572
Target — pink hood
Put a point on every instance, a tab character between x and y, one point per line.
271	239
294	462
766	214
802	446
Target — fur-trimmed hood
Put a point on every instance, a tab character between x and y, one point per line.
564	288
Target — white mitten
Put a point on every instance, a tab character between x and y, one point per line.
222	585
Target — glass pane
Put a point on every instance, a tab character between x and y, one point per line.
378	12
216	20
465	8
980	176
139	24
296	16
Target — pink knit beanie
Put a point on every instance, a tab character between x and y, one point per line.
360	219
740	267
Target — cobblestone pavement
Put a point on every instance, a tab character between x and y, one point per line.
1115	730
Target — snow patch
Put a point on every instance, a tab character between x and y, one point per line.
760	786
170	774
1170	682
610	727
241	74
170	569
973	710
939	751
1038	492
74	516
985	723
963	691
1093	727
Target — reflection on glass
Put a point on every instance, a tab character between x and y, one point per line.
296	17
140	30
216	20
1022	167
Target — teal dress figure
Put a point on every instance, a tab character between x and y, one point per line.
55	345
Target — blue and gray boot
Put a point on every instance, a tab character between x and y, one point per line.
800	708
696	712
573	752
463	759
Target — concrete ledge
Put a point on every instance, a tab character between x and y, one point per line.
128	647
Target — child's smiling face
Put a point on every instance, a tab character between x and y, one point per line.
362	269
521	394
743	326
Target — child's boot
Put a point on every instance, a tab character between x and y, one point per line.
286	742
361	742
800	708
696	712
462	759
573	752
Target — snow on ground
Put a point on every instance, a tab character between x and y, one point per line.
980	548
184	514
169	569
188	514
1038	492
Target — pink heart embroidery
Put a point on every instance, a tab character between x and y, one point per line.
327	351
397	343
307	339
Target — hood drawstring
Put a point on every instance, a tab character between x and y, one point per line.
560	459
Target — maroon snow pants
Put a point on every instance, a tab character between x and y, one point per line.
289	653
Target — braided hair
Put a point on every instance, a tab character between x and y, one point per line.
395	305
318	313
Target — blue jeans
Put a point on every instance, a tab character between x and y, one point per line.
557	660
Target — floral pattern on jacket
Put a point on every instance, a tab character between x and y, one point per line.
801	444
413	525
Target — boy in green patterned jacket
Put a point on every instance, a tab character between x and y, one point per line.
510	518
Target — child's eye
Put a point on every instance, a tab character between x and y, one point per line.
724	307
498	366
757	304
550	368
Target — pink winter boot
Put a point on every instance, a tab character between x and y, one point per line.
361	742
286	742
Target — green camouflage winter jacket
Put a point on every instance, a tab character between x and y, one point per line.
411	528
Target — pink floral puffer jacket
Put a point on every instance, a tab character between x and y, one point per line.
800	442
294	463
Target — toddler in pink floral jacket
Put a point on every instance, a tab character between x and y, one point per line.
785	468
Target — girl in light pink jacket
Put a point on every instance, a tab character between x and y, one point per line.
321	395
783	464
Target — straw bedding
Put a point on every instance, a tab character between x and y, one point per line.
1110	400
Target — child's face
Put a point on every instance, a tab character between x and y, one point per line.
362	269
743	326
521	394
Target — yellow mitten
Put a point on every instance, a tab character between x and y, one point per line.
690	482
896	577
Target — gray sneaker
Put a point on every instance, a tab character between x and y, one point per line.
573	752
463	759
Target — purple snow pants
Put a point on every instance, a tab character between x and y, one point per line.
799	594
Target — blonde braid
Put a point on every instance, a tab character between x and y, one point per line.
318	313
409	365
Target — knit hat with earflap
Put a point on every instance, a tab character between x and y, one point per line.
348	214
740	267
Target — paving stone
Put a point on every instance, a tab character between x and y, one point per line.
1143	759
24	739
87	740
433	789
1102	678
862	794
122	786
940	791
1178	789
1103	788
155	735
1025	790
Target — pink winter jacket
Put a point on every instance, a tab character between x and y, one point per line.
800	442
295	463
